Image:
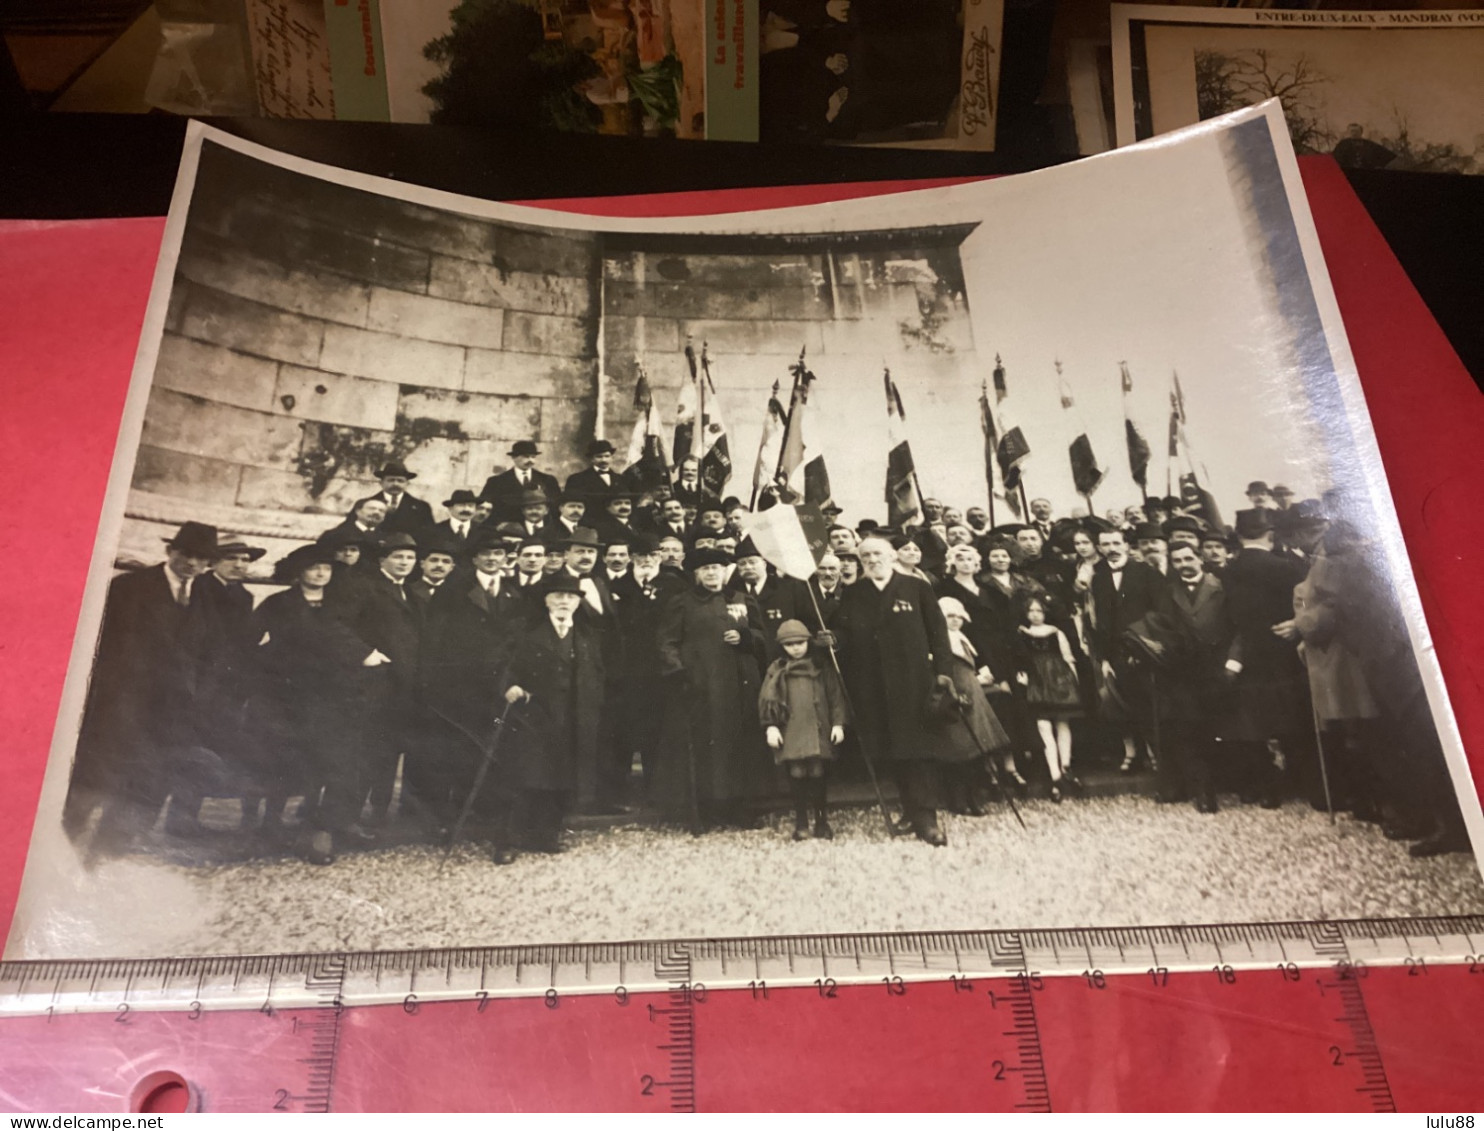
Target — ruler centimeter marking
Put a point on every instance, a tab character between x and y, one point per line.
306	981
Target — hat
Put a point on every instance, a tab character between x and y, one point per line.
1254	523
439	544
793	630
1151	501
1257	487
524	448
865	525
195	540
1216	536
1306	512
531	543
462	495
708	507
253	552
913	536
698	558
582	536
296	561
953	607
830	510
511	532
598	448
1172	502
396	540
533	497
748	549
643	542
1152	530
616	496
571	496
338	536
731	503
562	582
395	467
1280	491
1182	522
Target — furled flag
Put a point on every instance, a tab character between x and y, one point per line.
1177	415
1086	474
647	467
801	475
1138	447
902	501
770	449
1011	449
791	538
686	410
715	448
987	426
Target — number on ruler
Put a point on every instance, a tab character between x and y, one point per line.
998	1069
895	987
1415	966
1159	975
960	984
409	1004
483	998
1095	979
281	1099
551	999
1225	975
646	1085
621	995
825	986
1290	971
759	990
121	1014
1336	1056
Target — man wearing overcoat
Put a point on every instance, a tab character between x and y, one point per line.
505	490
894	648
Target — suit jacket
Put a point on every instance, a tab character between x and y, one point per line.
444	530
829	604
780	599
611	531
589	484
466	643
380	616
1201	641
412	516
504	491
1116	608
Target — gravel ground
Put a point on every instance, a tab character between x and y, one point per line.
1102	861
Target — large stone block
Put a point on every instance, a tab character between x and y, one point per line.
178	422
387	357
465	416
251	327
566	428
198	478
755	337
435	319
318	245
546	252
528	374
549	334
639	337
683	300
483	284
312	394
814	301
215	373
226	267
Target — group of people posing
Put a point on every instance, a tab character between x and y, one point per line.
552	648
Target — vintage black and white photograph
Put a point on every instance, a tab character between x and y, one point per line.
1401	90
910	73
1015	553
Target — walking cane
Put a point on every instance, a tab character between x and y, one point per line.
1329	801
489	749
994	778
891	829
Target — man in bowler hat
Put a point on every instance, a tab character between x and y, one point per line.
459	526
403	511
141	719
506	490
598	480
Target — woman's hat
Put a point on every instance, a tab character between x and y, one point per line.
296	561
709	556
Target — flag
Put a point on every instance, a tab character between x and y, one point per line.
1086	474
1177	415
714	447
770	448
902	502
648	467
1011	449
686	410
791	538
987	426
1138	447
1000	392
1194	495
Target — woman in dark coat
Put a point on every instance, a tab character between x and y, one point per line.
306	714
712	762
554	683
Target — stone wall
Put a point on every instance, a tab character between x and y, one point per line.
315	331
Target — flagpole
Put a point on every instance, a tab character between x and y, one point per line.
850	709
788	420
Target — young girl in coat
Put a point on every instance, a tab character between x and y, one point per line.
802	705
1049	673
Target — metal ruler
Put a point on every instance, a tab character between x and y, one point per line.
666	1013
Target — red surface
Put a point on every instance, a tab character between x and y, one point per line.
1194	1044
74	295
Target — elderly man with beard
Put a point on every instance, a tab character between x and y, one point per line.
712	760
894	649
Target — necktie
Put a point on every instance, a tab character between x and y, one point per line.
525	478
460	528
183	595
561	629
493	588
401	591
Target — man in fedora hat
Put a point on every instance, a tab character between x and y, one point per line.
362	526
142	717
616	522
439	558
596	482
533	514
459	525
404	512
507	490
571	508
